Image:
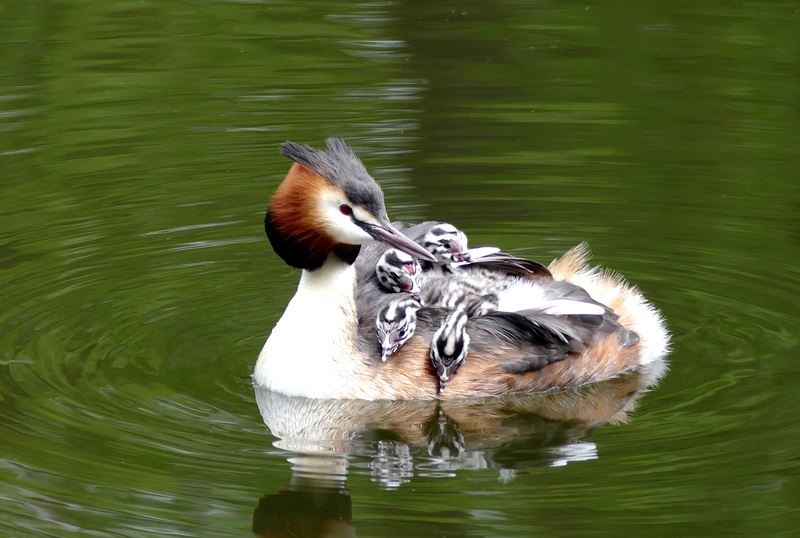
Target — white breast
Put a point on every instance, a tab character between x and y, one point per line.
312	349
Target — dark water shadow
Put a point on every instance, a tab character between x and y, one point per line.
402	440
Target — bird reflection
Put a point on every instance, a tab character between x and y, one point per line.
401	441
392	464
445	440
305	512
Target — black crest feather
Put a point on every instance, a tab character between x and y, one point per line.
340	165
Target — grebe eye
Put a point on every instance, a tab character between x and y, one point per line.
345	209
446	244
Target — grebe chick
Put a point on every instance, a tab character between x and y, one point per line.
397	272
449	346
395	324
447	243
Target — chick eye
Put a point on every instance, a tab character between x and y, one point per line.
446	244
345	209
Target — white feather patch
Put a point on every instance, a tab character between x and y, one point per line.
569	307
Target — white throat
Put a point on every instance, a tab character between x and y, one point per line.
312	350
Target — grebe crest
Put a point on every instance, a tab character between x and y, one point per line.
397	272
449	346
395	324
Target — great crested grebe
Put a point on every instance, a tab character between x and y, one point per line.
558	327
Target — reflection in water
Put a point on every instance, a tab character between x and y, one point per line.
404	439
139	146
305	508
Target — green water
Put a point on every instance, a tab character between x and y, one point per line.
138	150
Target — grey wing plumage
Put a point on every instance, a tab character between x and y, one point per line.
534	341
561	289
589	328
522	343
510	265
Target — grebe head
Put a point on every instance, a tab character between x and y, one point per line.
447	243
397	272
329	203
449	346
395	324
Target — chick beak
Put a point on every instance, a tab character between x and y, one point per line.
462	256
389	348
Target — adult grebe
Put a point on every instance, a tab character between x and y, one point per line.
578	326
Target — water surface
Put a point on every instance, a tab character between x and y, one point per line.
139	150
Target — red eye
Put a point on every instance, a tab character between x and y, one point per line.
346	209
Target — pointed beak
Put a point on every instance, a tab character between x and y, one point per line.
388	350
386	233
462	256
